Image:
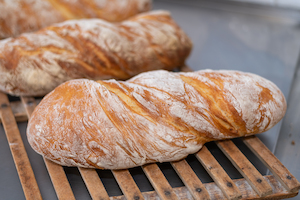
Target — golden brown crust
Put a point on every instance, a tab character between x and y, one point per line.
157	116
20	16
112	10
35	63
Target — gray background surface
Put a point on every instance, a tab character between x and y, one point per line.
258	39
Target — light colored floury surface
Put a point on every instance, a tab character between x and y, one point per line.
156	116
237	36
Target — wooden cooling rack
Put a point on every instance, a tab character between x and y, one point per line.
281	184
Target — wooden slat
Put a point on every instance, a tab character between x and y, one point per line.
247	192
20	157
274	165
127	185
93	183
218	174
19	111
190	180
57	174
159	182
244	166
181	192
59	180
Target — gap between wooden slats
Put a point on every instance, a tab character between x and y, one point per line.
20	157
159	182
244	166
274	165
218	174
57	174
93	183
190	180
127	184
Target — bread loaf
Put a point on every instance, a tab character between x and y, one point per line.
35	63
20	16
157	116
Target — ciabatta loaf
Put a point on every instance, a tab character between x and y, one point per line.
20	16
157	116
35	63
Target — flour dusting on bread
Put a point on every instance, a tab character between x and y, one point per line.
23	16
157	116
93	49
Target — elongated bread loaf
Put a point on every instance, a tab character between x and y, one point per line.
157	116
35	63
20	16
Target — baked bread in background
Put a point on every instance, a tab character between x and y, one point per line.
33	64
20	16
156	116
